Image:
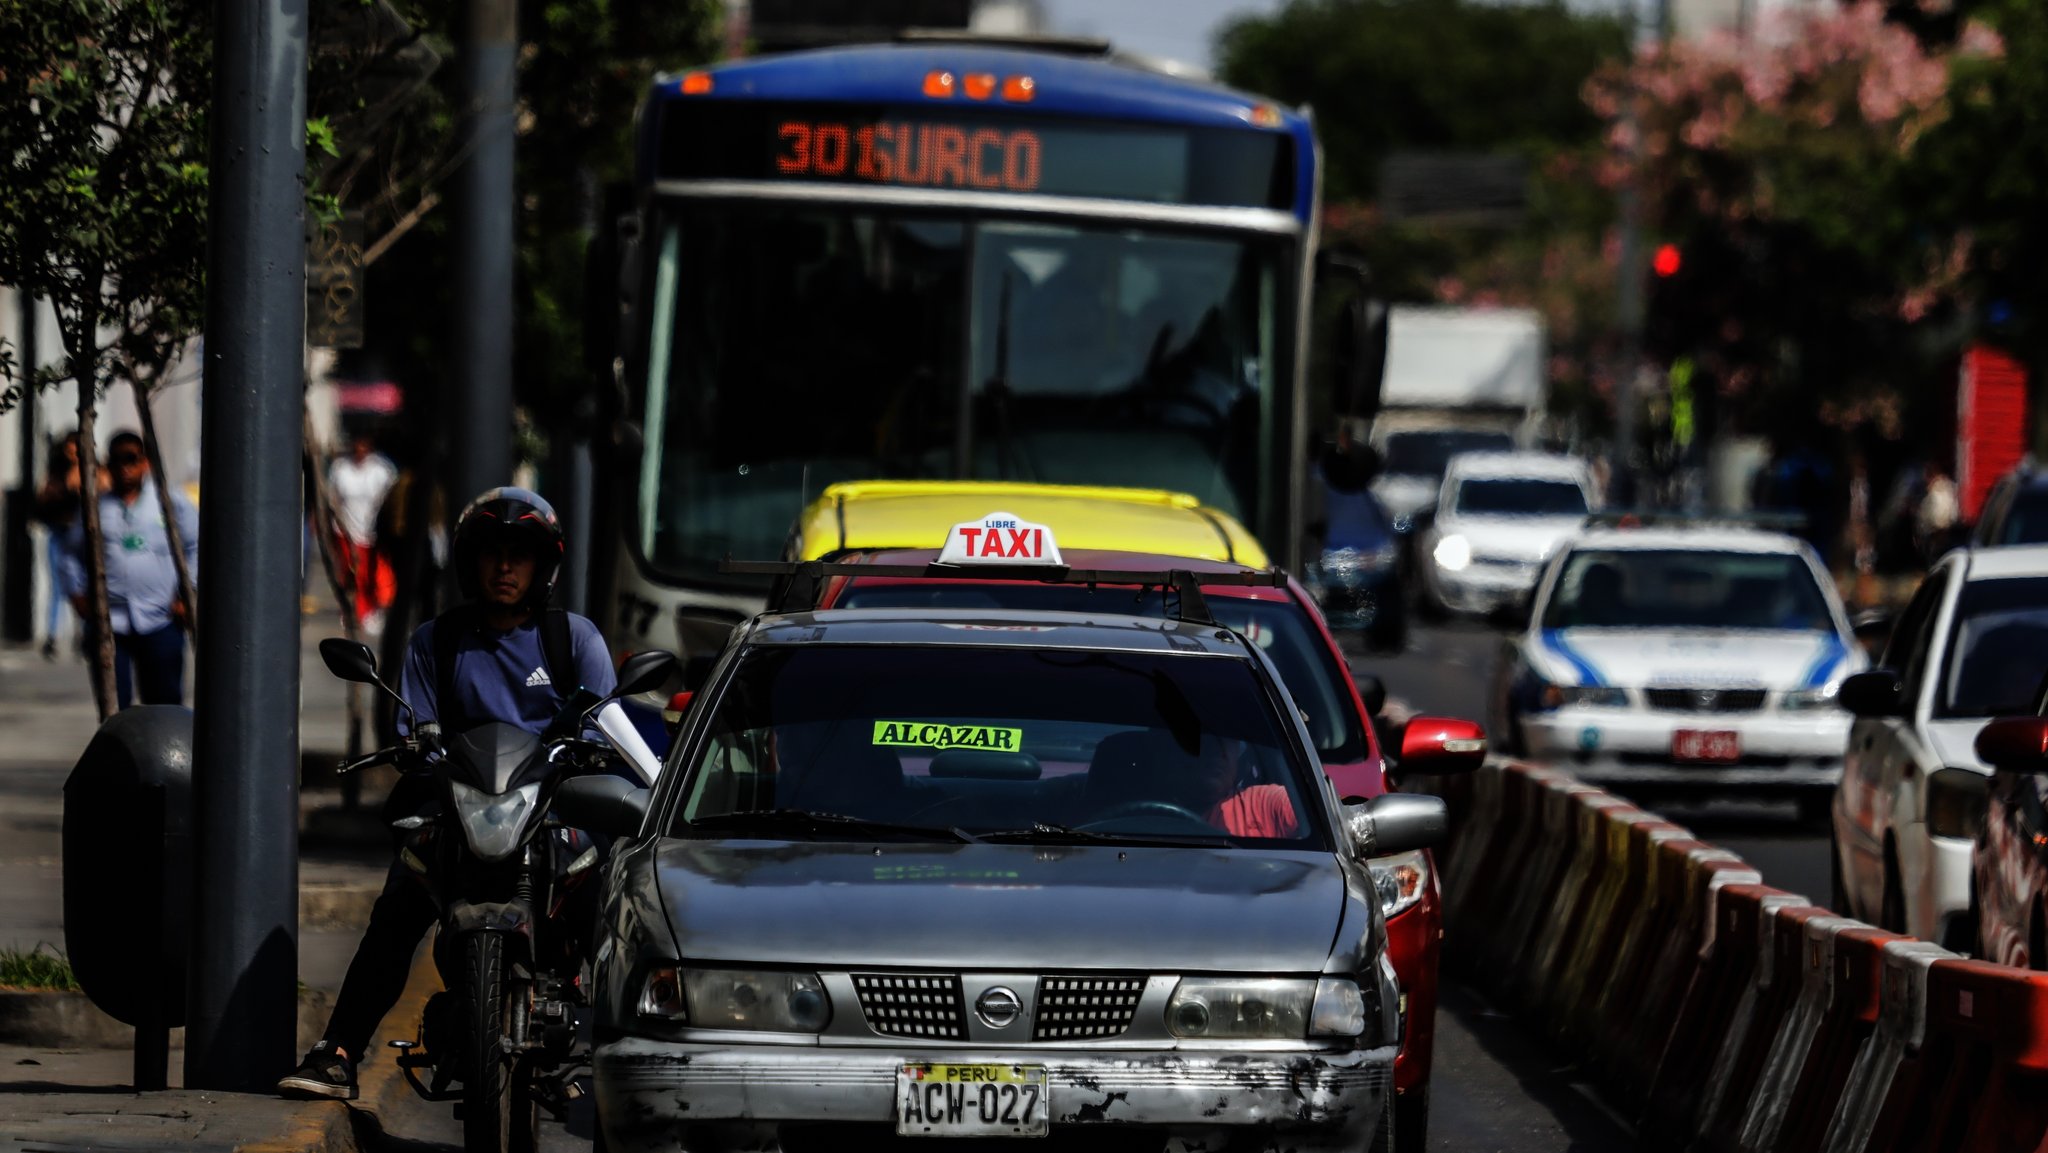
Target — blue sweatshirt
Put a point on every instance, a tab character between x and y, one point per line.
501	676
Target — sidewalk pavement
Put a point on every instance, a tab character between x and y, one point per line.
79	1097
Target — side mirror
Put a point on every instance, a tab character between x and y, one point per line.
647	671
602	804
1372	692
2011	744
1398	823
1877	693
1440	745
349	660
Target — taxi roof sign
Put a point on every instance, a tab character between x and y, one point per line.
1001	538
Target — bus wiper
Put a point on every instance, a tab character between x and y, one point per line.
1042	833
807	820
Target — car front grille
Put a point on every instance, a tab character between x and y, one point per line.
926	1005
1705	700
1074	1008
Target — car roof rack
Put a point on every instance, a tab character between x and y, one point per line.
1768	520
802	582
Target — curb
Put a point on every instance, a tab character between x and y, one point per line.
338	1127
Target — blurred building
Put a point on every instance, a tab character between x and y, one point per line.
1699	17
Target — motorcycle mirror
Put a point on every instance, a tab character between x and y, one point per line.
349	660
602	804
646	671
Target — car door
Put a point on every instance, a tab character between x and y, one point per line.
1879	747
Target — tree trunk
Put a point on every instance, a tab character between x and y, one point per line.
84	373
186	593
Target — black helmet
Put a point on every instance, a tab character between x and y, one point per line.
505	512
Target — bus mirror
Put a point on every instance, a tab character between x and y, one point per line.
1356	340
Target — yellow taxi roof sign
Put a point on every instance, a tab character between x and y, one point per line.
872	515
1000	538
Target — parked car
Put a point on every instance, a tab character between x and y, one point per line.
2015	512
1498	517
1972	645
2009	862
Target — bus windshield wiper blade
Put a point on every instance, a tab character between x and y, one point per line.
806	820
1043	833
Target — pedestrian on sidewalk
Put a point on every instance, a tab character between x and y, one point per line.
57	508
144	610
360	480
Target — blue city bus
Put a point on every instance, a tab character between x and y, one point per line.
947	259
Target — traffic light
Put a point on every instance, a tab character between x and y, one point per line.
1667	262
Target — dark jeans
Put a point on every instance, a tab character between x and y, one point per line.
155	659
376	977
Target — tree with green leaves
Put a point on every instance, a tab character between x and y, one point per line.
103	109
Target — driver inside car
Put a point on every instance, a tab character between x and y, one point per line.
1240	809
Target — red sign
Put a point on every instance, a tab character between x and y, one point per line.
1991	423
922	155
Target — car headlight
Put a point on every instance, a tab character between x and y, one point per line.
1956	801
769	1001
1402	879
1453	553
1229	1009
1802	700
493	822
1599	696
1339	1010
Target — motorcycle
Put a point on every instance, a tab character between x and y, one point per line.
504	874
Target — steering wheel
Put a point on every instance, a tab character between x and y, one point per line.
1145	808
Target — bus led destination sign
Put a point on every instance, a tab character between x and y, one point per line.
923	155
974	151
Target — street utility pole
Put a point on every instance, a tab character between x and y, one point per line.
1634	270
242	1016
479	426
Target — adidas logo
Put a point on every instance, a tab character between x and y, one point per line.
538	677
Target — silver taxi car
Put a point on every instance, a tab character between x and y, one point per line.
989	873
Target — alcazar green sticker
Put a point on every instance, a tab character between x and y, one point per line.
917	734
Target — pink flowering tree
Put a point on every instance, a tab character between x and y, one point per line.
1786	166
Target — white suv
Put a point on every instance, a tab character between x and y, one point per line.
1499	516
1971	646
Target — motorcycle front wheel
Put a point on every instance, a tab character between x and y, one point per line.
499	1115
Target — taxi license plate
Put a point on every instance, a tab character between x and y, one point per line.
1706	746
971	1101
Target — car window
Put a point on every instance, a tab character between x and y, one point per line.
2026	517
1686	588
1998	649
979	740
1520	496
1427	453
1911	647
1914	621
1319	686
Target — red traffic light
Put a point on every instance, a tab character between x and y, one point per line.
1667	261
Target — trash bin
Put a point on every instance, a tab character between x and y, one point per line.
128	875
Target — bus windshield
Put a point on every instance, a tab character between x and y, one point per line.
794	346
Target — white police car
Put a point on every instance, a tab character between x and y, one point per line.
1683	656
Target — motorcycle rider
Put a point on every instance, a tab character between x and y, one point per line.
504	656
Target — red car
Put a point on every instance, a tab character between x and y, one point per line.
2009	863
1285	623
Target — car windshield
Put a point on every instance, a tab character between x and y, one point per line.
1520	496
1281	628
1686	589
2026	521
972	741
1428	453
1998	649
794	346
